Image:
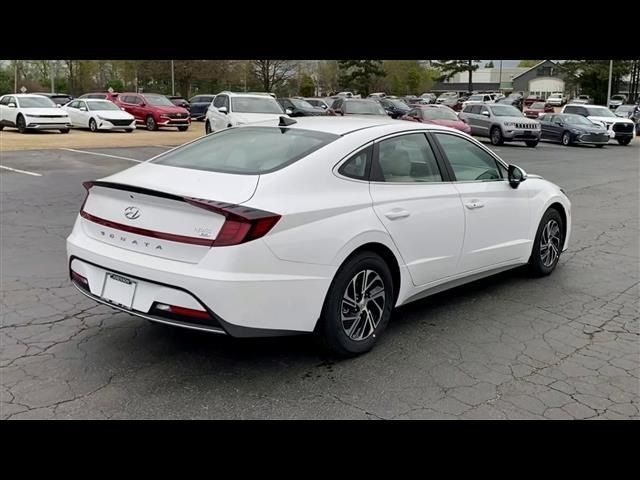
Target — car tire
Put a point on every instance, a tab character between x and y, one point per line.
129	130
151	123
207	127
624	141
544	257
599	145
336	331
64	130
93	126
1	127
21	124
566	139
183	128
496	136
532	143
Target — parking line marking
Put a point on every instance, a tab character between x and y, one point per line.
102	155
163	146
21	171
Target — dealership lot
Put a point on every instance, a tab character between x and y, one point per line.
565	346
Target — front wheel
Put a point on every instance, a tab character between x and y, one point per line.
496	136
358	305
566	139
93	126
151	124
64	130
183	128
624	141
128	130
548	243
599	145
531	143
21	124
207	127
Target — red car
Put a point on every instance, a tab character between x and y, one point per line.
438	115
538	108
154	110
531	99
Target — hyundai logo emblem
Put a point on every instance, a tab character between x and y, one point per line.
132	213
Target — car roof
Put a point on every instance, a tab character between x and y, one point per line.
23	95
351	123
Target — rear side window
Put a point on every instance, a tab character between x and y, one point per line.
247	150
408	159
358	165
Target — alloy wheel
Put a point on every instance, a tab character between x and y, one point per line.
363	305
550	243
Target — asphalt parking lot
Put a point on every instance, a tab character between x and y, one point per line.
561	347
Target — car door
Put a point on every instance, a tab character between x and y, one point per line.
9	113
497	217
420	209
219	120
469	118
128	103
484	120
546	127
84	114
4	101
72	111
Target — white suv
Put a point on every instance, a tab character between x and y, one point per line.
32	112
231	109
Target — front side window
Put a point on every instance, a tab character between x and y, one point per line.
408	159
469	162
246	150
4	100
506	111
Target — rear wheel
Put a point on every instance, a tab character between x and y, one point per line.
600	145
151	124
21	124
496	136
183	128
624	141
566	139
358	305
548	243
531	143
1	127
128	130
64	130
93	126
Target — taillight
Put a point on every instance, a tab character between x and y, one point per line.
242	224
87	186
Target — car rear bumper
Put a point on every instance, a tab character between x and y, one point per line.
265	296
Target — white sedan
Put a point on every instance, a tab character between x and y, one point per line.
311	225
98	114
32	112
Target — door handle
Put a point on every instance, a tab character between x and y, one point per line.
474	204
397	213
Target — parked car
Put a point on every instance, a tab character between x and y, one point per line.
319	102
96	114
394	107
300	108
581	99
345	94
514	99
57	98
568	129
616	100
430	97
357	106
112	97
531	99
179	101
230	109
632	112
315	213
538	108
377	95
154	110
436	115
501	123
448	98
477	98
199	105
557	99
622	129
413	100
32	112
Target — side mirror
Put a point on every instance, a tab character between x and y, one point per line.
516	175
559	122
83	109
485	113
58	105
143	104
11	105
288	111
223	110
122	108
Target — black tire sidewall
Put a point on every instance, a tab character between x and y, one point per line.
23	128
535	262
499	141
330	326
151	126
93	122
568	136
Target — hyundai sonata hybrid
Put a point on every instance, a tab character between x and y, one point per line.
319	224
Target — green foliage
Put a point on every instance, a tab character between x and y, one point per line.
116	84
449	68
489	65
591	77
405	77
6	82
307	86
359	75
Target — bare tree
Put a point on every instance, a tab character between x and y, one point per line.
273	73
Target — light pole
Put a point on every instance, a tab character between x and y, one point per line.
53	87
173	79
500	77
609	87
15	76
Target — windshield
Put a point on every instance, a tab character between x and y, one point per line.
363	107
599	112
158	101
398	103
577	120
255	105
438	114
617	97
104	105
556	95
35	102
247	150
301	103
537	106
505	111
474	98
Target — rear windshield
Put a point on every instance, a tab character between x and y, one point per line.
247	150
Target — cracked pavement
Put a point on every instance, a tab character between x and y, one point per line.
507	347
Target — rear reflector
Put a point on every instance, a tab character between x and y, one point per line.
175	311
80	280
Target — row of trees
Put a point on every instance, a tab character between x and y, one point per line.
282	77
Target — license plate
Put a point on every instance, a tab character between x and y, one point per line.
118	289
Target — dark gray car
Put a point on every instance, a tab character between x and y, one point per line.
501	123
